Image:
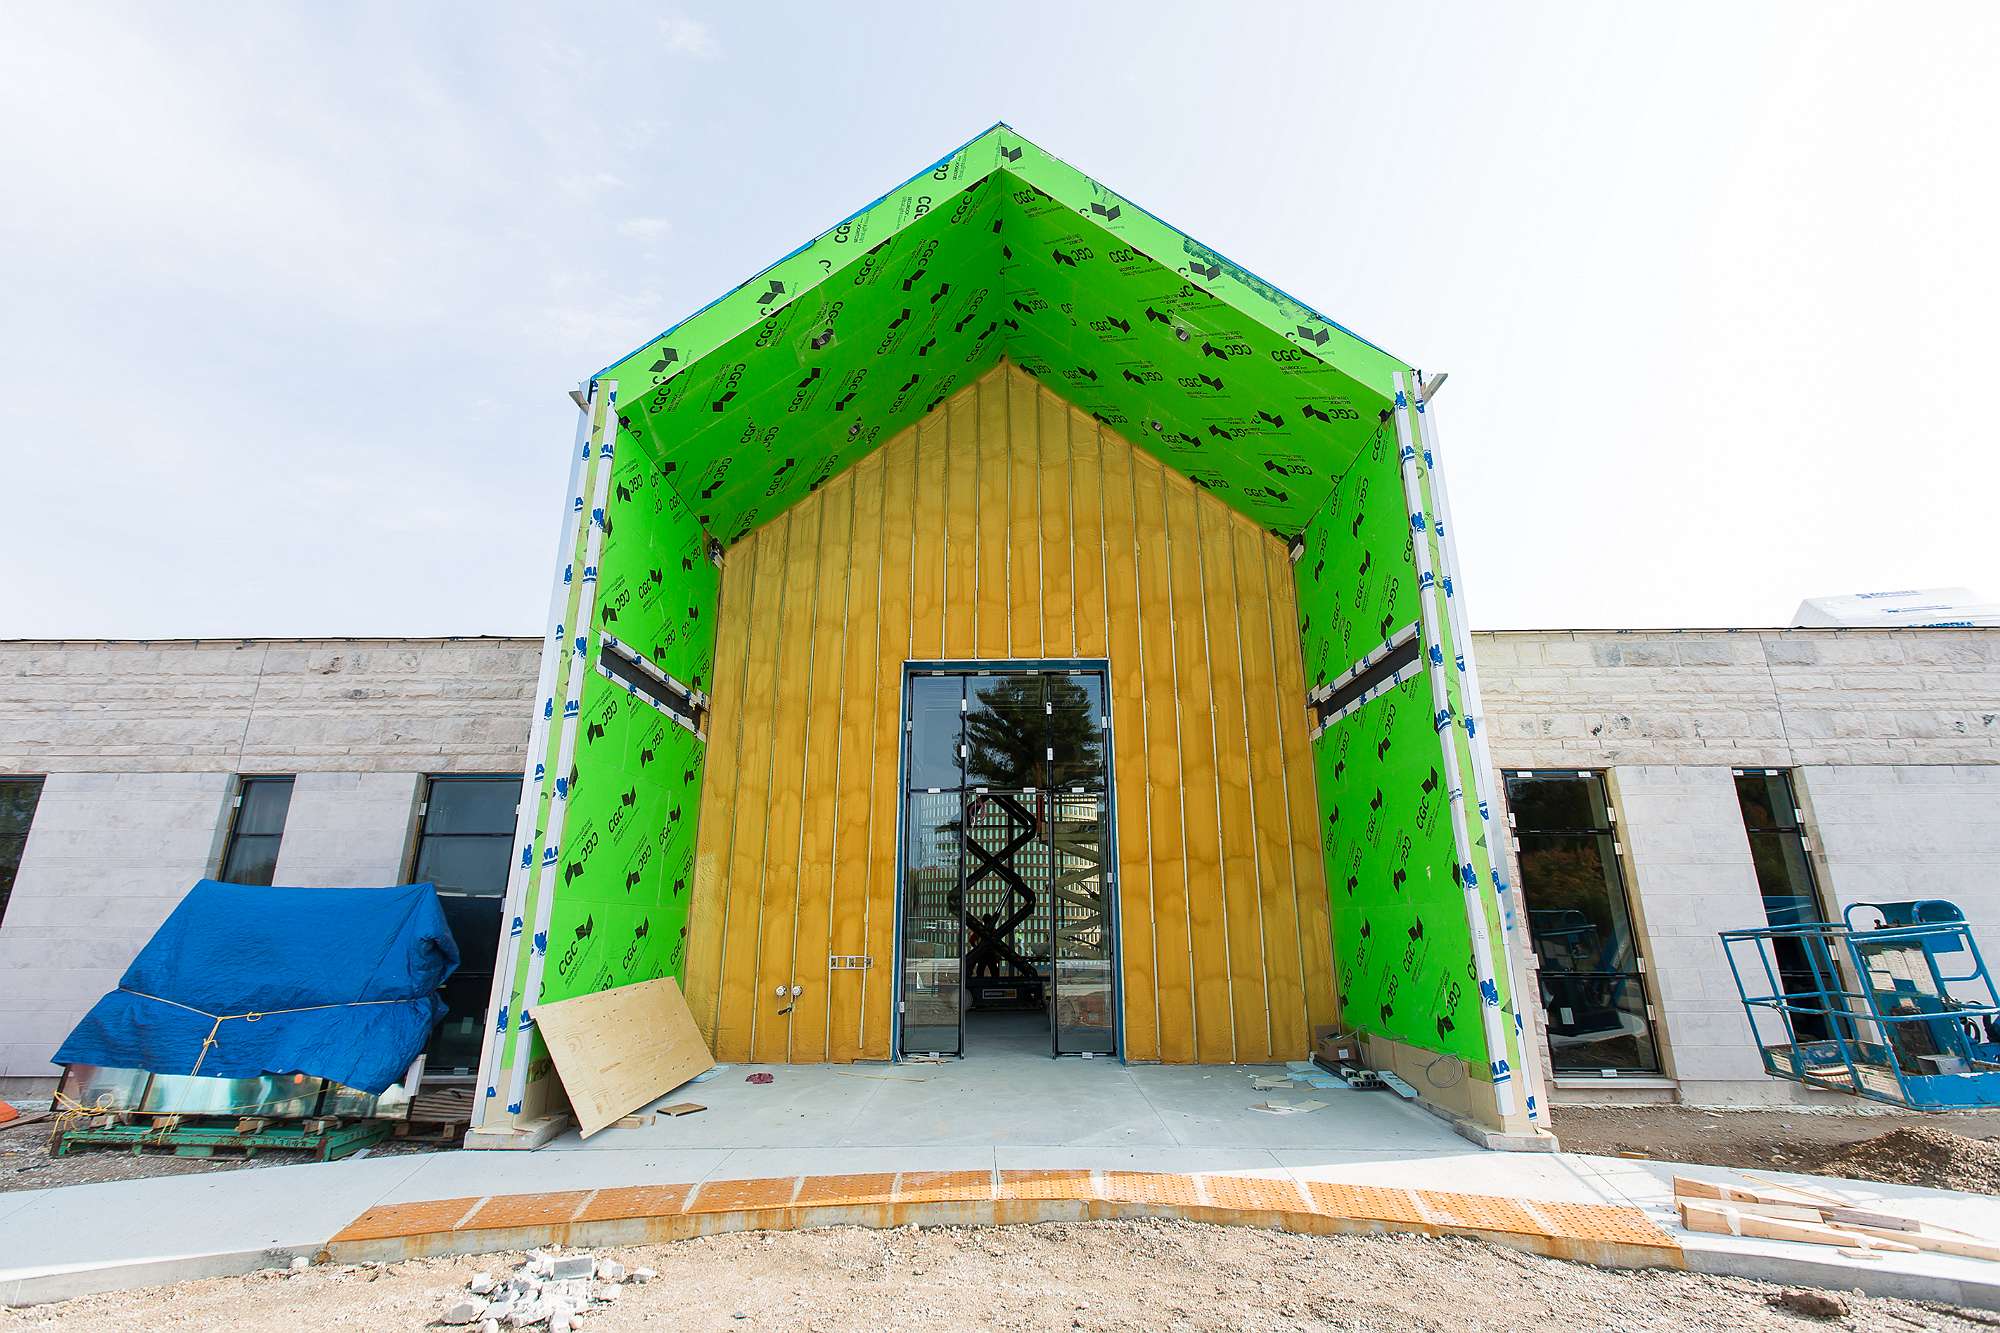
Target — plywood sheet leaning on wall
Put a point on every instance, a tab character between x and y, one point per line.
617	1050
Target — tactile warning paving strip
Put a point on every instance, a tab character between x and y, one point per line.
1255	1194
943	1186
1373	1203
408	1219
1556	1227
837	1191
626	1201
729	1196
1152	1187
1599	1222
525	1210
1482	1212
1047	1185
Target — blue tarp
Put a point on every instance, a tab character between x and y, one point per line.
358	969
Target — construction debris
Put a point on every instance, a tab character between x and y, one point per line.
1815	1216
1287	1108
548	1288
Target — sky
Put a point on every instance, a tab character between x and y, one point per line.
291	296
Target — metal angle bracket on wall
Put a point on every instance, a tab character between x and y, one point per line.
1320	700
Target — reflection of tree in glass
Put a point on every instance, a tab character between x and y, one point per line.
1009	733
1004	734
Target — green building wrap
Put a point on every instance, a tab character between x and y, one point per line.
1357	582
1402	948
1002	250
733	415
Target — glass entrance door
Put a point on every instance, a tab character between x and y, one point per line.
1007	868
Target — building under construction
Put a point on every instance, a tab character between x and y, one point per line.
1005	618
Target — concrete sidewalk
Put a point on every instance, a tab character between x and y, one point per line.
928	1144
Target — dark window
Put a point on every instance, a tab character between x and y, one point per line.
252	854
465	847
18	797
1592	980
1778	850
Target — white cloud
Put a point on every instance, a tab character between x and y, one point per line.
690	37
645	229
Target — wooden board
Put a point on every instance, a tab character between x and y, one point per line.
1201	826
1130	777
1308	864
1243	905
1058	554
812	930
859	699
1024	528
1722	1219
989	631
708	913
913	555
892	636
1173	975
1283	969
619	1049
784	815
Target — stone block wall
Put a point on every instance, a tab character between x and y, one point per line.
1893	737
142	745
108	856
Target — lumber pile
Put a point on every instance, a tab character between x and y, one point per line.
1815	1217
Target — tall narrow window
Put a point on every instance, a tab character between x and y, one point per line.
1593	985
252	854
1779	851
18	797
464	846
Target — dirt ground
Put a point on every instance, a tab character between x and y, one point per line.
1945	1150
26	1163
1098	1276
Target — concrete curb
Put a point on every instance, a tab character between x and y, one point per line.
1605	1235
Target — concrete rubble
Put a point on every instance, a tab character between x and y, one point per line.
548	1288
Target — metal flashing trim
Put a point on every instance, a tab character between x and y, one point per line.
1365	663
1513	938
1434	631
1326	714
528	806
574	668
661	699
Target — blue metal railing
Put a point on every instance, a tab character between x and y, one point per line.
1873	1012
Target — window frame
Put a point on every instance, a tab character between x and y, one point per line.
1796	829
467	968
1620	885
39	782
239	799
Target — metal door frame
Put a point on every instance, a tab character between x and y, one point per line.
1101	667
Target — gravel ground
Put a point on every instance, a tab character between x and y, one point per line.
1942	1149
1099	1275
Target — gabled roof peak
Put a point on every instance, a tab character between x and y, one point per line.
999	248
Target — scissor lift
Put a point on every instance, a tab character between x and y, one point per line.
1876	1010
